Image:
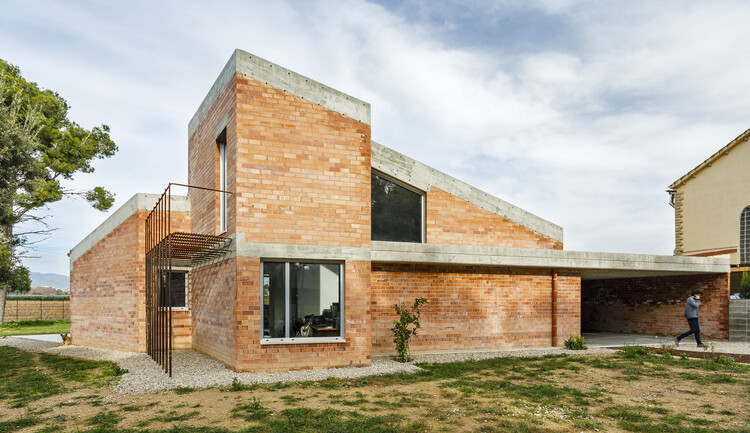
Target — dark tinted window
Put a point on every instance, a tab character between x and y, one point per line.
178	288
396	212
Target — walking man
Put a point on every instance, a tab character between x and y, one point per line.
691	314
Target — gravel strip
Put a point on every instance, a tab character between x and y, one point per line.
196	370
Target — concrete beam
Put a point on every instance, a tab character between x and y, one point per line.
421	176
252	66
295	251
139	202
591	265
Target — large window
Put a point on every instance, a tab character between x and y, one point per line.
745	236
302	300
397	211
179	288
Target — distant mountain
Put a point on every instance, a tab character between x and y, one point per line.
51	280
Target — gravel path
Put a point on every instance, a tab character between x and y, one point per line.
195	370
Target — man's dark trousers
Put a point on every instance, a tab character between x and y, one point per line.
694	329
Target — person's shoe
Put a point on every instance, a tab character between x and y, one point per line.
677	342
701	345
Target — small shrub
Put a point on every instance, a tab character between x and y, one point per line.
634	351
401	331
684	356
723	359
576	342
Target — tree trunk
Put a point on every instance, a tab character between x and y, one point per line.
8	233
3	296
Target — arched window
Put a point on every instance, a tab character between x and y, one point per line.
745	236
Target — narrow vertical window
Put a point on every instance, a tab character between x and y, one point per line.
745	236
222	183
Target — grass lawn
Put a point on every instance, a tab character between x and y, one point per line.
32	327
632	391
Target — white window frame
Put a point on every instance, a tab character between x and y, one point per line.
422	194
186	271
287	339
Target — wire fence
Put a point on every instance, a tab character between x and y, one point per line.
19	308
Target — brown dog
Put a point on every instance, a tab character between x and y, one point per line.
67	340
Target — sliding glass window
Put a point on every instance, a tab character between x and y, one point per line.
302	300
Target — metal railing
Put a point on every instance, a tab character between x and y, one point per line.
166	249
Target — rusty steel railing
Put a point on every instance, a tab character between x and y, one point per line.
164	250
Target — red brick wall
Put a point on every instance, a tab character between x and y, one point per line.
472	307
105	284
108	289
451	220
655	305
212	304
203	166
303	170
252	356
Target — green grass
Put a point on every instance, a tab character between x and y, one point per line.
33	327
22	380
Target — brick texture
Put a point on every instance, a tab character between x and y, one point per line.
451	220
254	357
472	307
303	173
655	305
108	289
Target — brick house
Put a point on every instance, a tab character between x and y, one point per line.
321	231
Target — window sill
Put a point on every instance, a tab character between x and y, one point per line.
174	309
302	340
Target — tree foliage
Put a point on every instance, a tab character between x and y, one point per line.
745	285
39	149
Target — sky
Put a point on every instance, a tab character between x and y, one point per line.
581	112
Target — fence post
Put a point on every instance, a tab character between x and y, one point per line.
41	317
16	309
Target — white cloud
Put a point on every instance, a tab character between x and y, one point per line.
586	125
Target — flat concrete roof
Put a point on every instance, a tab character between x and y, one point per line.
259	69
136	203
591	265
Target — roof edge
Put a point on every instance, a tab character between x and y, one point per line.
139	202
422	176
259	69
707	163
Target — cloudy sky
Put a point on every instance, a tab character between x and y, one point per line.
582	112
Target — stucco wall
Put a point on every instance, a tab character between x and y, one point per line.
709	205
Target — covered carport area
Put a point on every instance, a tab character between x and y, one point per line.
645	294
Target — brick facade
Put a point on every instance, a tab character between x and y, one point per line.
451	220
304	174
655	305
108	290
300	175
473	307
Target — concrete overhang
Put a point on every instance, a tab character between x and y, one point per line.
259	69
590	265
139	202
422	176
